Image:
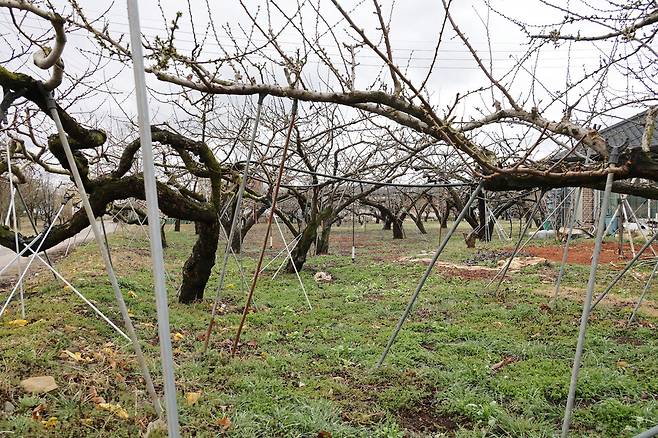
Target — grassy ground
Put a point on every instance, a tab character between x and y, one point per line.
466	363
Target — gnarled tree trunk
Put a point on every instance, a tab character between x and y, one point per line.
323	242
398	231
198	266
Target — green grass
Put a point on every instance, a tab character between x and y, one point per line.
303	372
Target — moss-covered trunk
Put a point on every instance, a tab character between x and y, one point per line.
309	234
323	242
198	266
398	231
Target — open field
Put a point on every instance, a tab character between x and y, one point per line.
467	363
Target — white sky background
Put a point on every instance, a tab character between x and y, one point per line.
415	26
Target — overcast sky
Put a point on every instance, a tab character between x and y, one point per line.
415	26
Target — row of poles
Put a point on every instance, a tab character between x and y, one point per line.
159	273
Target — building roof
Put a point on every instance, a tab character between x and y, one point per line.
631	130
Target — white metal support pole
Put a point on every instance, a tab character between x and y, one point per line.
427	273
152	210
15	226
292	262
9	209
52	107
234	221
644	292
639	227
23	273
565	252
580	346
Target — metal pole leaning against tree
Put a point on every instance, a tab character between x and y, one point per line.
52	107
153	214
580	346
234	221
423	279
565	253
275	194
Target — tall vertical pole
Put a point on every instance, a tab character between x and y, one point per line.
423	279
34	225
580	346
517	248
275	194
644	292
93	227
234	221
565	252
353	233
15	226
152	210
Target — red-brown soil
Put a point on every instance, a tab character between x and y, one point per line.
581	252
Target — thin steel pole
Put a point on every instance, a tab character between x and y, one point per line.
9	207
292	262
57	275
517	248
565	253
644	292
275	194
423	279
33	223
82	297
15	226
234	221
23	251
23	273
292	244
531	236
648	433
152	210
52	106
639	227
621	273
580	346
353	234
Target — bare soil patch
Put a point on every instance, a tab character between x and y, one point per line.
581	252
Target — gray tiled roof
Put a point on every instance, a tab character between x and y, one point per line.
630	129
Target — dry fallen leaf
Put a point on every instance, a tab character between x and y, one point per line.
622	364
50	423
224	422
115	409
192	397
17	323
95	398
177	337
39	411
506	361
